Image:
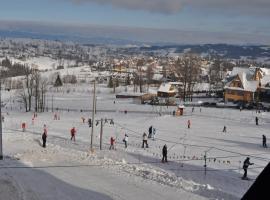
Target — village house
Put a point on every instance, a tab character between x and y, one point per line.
169	89
247	84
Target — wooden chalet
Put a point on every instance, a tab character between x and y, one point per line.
244	84
168	89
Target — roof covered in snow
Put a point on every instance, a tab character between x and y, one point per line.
248	84
167	88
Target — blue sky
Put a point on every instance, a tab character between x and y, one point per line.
227	16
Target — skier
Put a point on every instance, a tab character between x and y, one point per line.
23	126
144	140
83	119
55	116
189	123
164	153
224	129
192	109
72	132
154	133
264	141
90	122
112	140
125	140
150	131
257	121
245	167
44	136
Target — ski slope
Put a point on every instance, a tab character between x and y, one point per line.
132	173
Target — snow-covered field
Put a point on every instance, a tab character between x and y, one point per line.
68	170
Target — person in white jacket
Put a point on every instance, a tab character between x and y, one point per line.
144	140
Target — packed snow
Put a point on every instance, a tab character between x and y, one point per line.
69	170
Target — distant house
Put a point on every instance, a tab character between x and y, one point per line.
244	84
168	89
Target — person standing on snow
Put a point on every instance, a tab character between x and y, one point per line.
264	141
144	140
224	129
83	119
164	154
189	124
125	140
90	122
112	141
150	131
257	121
72	132
245	167
44	136
23	126
55	116
154	133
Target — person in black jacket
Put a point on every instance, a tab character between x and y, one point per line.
264	141
257	121
245	167
164	153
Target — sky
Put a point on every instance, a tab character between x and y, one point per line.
229	17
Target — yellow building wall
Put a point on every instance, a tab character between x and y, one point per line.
247	96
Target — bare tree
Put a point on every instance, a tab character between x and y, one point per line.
28	88
140	64
187	69
149	75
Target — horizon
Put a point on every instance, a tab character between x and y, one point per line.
175	21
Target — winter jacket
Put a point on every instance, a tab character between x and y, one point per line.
164	150
73	131
126	138
45	131
144	136
246	164
112	141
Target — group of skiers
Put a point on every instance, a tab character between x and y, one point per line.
151	134
112	142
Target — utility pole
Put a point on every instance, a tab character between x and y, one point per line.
101	133
1	146
93	115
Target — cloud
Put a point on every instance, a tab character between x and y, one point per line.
241	7
156	6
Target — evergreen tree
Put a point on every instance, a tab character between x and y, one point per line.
58	81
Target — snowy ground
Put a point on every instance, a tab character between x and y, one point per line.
67	170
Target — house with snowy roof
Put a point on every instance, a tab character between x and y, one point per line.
168	89
245	84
